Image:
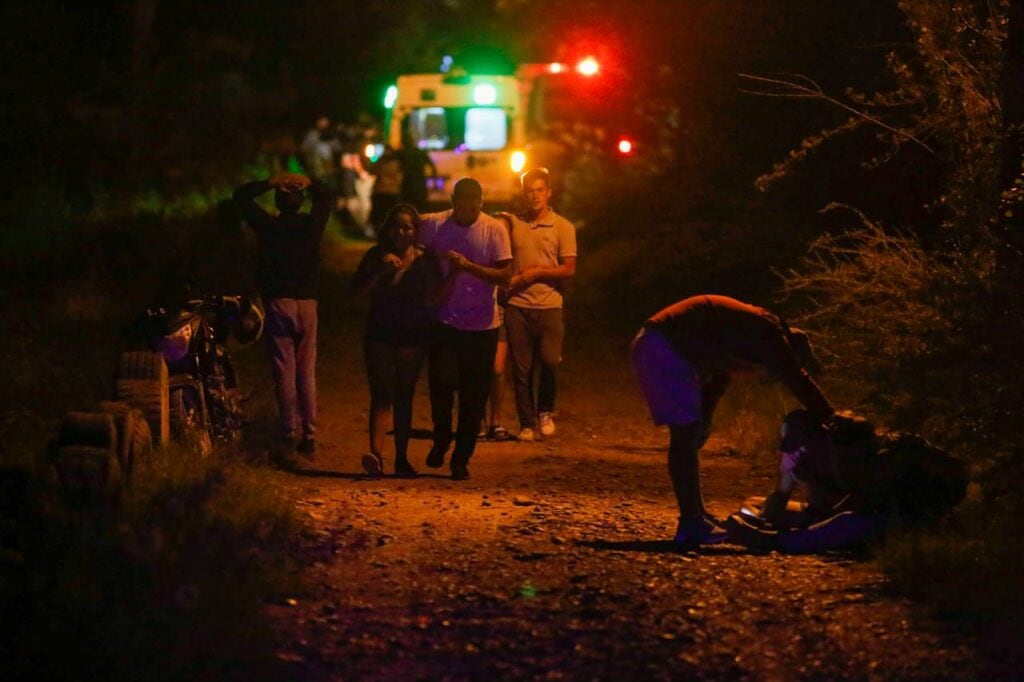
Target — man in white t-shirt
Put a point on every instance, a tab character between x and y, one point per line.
473	252
544	246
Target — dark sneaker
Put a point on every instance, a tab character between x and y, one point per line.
306	448
699	531
460	472
499	433
373	465
404	470
435	458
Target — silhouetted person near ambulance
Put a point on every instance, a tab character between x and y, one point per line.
685	356
287	272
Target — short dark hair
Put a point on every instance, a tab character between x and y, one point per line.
468	188
384	231
535	174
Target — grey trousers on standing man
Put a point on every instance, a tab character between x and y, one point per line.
290	332
534	334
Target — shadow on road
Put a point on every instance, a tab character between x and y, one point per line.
359	476
666	547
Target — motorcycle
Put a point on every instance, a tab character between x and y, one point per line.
204	400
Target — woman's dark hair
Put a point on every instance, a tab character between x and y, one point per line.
384	231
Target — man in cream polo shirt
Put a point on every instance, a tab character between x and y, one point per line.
473	252
544	247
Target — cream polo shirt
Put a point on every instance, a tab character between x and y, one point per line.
541	243
473	305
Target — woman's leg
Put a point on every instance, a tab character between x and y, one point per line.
407	370
380	371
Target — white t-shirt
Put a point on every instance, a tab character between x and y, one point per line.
473	304
541	243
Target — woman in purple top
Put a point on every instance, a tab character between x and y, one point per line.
397	278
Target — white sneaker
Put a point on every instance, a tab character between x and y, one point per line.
528	435
547	423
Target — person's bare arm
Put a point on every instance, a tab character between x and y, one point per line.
498	274
775	503
372	269
566	269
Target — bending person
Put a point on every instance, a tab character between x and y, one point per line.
685	356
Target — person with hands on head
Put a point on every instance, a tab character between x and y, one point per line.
398	280
474	257
287	273
685	357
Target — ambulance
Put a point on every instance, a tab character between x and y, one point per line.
488	126
469	125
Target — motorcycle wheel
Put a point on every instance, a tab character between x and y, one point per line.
189	421
225	405
142	382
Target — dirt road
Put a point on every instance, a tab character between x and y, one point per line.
553	561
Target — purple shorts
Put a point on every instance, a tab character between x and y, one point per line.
670	383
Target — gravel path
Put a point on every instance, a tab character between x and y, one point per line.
553	561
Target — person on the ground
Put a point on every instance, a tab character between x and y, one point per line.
685	356
287	276
473	253
860	482
397	277
544	252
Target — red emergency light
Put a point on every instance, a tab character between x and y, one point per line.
587	66
625	146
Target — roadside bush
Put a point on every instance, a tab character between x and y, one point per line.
172	591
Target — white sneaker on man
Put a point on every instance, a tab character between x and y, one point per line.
528	435
547	423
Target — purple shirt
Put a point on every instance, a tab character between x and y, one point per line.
473	304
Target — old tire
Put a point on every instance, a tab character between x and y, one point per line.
134	439
90	478
141	364
150	397
190	422
91	429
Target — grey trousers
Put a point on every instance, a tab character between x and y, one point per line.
290	333
534	335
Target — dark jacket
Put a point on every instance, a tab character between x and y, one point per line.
288	260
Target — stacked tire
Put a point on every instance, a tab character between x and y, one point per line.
86	462
142	382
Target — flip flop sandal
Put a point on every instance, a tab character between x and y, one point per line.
500	433
373	465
